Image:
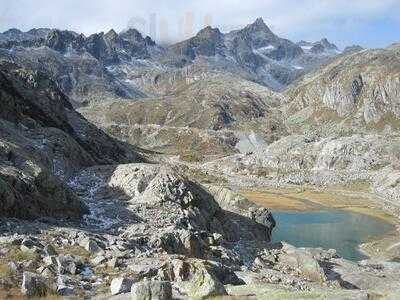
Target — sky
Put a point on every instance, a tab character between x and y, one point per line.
369	23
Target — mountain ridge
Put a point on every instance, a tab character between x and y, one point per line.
254	51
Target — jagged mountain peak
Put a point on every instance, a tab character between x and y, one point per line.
259	25
208	32
328	44
111	34
323	46
259	22
60	40
132	35
149	41
207	42
16	35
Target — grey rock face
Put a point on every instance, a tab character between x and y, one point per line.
16	35
360	86
62	40
112	65
263	216
108	48
40	128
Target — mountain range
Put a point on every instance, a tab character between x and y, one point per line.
112	65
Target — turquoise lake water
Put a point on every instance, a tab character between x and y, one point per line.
340	230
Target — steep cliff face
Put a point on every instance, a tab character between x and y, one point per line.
43	141
361	88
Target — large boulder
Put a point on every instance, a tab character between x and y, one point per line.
304	262
204	284
195	278
151	290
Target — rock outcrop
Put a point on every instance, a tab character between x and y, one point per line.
180	215
43	141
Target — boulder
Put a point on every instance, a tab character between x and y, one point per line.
204	284
181	242
304	262
65	286
151	290
69	264
121	285
145	267
98	260
90	245
196	278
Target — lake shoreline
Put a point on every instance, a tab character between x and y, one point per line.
307	199
312	198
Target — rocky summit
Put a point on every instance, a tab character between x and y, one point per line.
131	170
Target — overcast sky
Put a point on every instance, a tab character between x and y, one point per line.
370	23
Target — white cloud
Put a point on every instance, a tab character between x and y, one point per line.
295	19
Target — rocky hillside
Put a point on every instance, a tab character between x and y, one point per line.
357	90
341	127
216	102
194	119
43	142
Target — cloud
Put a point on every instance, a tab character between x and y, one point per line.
177	19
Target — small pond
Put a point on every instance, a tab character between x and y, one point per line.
331	228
